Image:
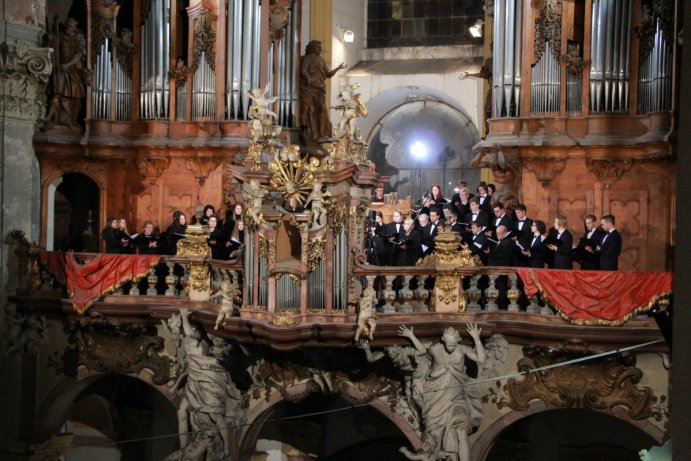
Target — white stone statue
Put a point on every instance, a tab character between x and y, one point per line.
367	317
210	401
318	210
351	107
447	402
256	196
225	292
259	109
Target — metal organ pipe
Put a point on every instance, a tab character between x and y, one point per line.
123	93
655	76
506	83
545	84
101	89
610	45
155	61
204	91
243	24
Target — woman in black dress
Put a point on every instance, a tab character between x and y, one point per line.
217	240
108	234
147	242
175	232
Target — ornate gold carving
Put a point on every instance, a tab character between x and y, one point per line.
292	176
348	150
339	212
267	249
201	168
24	73
281	319
599	384
608	170
545	169
447	286
194	243
316	251
547	27
447	252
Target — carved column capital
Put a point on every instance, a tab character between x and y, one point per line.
608	171
24	73
152	168
545	169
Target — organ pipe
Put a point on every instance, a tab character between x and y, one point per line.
243	57
506	74
545	84
655	76
155	61
102	78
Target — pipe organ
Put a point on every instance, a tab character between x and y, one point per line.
506	83
655	74
242	55
610	44
202	90
154	86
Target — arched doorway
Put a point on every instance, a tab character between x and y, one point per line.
566	435
359	433
73	214
402	116
113	417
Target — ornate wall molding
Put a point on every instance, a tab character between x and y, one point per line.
24	73
608	170
105	345
152	168
204	40
201	168
597	384
545	169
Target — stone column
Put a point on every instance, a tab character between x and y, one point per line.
24	73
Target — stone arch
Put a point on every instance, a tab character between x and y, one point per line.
247	438
402	116
56	406
482	446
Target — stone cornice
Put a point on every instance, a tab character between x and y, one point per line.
24	73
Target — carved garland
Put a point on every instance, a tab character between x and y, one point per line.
608	171
545	169
547	27
446	286
103	28
267	250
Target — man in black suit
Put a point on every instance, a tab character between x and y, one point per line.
563	252
522	232
500	219
484	199
393	232
610	245
502	255
586	252
476	242
427	233
476	214
536	252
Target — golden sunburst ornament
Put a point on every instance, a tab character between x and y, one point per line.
292	176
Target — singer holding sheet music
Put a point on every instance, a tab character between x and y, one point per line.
560	244
409	245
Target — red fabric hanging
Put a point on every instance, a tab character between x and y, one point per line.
597	297
105	273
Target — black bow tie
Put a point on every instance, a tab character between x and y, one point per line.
521	220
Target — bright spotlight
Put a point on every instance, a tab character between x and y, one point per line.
348	36
476	29
418	150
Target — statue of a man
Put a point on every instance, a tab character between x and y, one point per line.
314	115
70	76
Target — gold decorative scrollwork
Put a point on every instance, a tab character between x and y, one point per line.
339	212
316	251
267	250
199	275
547	27
194	243
281	319
447	287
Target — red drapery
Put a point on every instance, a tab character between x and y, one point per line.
86	283
597	297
